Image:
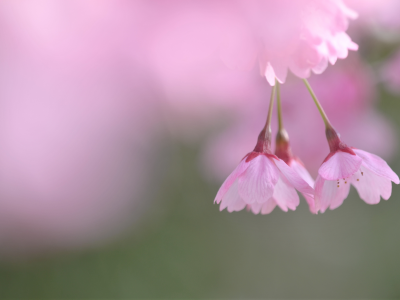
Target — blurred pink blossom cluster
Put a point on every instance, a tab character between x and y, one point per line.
297	35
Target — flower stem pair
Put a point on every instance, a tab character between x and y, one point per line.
282	136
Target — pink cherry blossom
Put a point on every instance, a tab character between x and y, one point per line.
181	41
302	36
369	174
261	181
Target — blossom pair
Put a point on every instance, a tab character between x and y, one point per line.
263	180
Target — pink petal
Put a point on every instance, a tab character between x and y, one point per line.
311	203
302	171
269	74
347	11
268	206
370	186
285	195
352	46
328	194
340	165
332	59
231	196
280	69
321	66
293	177
257	182
305	58
377	165
230	180
256	207
346	42
237	205
341	45
232	199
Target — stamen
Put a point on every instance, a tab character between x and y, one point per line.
345	182
362	173
358	179
338	186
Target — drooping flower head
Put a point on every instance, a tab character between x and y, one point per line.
345	165
262	180
369	174
302	36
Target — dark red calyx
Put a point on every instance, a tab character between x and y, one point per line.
252	155
282	149
263	146
333	139
263	142
335	144
342	148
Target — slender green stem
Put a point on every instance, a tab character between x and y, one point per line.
264	138
320	109
278	104
269	117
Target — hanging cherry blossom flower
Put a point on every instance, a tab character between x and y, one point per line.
369	174
344	166
284	153
262	180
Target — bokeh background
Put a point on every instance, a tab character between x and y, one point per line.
119	122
